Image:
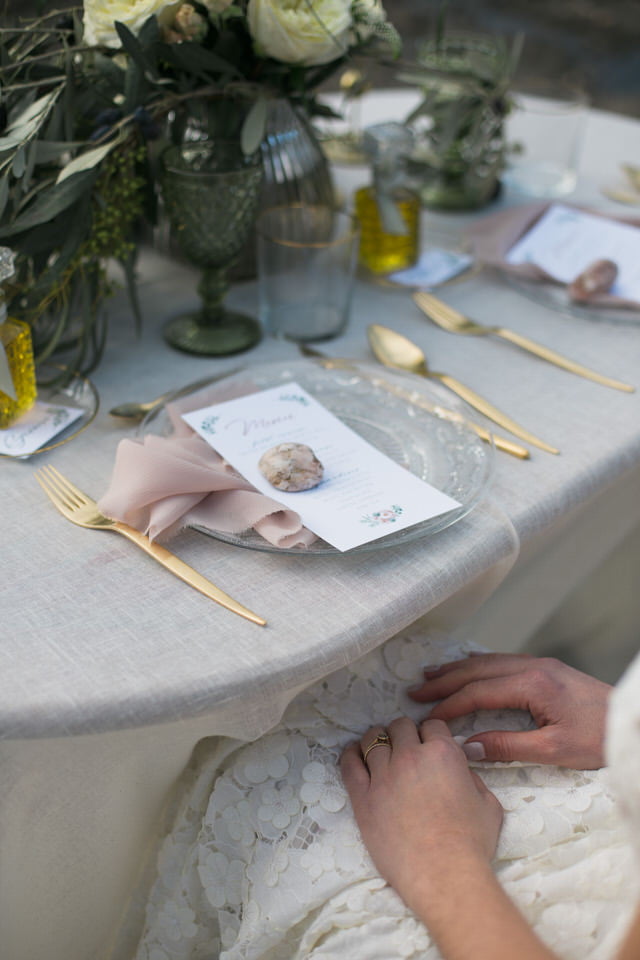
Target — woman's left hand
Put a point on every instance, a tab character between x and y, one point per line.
418	806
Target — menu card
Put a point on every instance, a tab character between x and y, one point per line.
363	495
35	428
565	241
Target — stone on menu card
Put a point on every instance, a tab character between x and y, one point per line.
598	278
291	467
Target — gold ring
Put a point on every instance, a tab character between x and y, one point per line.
382	740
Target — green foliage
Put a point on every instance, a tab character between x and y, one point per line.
80	129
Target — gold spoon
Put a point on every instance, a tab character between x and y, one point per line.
395	350
136	410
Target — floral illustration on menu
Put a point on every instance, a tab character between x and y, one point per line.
387	515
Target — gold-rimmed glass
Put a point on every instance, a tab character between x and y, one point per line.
306	263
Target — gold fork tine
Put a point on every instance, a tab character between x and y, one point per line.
456	322
65	485
80	509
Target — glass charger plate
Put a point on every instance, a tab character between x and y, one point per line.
445	453
555	297
78	392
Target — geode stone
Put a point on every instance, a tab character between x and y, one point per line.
291	467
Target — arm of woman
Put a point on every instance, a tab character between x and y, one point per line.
431	827
568	707
630	949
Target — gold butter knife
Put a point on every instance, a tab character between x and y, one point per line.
414	398
454	322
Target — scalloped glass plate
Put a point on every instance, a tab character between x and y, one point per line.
446	453
554	296
78	392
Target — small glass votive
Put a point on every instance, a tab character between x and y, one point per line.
306	264
544	131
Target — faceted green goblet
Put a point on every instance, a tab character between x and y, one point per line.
211	193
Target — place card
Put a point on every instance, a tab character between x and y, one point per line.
35	428
565	241
433	268
363	496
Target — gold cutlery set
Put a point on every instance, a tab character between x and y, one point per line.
393	350
80	509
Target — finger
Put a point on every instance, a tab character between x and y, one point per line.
354	772
403	733
449	678
528	746
509	692
434	730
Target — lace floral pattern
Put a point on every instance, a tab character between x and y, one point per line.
265	861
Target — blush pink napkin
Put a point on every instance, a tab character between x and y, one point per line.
160	485
492	237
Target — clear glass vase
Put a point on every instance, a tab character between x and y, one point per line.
295	168
458	126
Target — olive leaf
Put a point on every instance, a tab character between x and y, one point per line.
87	160
46	206
254	126
29	121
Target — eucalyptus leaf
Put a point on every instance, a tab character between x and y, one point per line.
87	160
254	126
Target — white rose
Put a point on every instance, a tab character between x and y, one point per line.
304	32
100	16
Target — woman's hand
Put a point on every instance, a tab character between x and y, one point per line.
568	707
419	807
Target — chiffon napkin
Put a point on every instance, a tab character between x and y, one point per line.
492	237
160	485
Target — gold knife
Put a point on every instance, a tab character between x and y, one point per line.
455	322
413	397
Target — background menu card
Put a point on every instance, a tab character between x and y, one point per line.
35	428
363	495
564	242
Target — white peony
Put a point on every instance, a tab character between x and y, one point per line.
303	32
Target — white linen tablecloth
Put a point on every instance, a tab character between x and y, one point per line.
111	669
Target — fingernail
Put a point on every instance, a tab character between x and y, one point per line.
415	689
474	750
430	668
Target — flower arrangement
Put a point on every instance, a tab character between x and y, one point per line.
87	94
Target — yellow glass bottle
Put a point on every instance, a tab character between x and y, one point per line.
388	211
17	369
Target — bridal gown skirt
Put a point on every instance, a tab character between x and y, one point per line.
264	861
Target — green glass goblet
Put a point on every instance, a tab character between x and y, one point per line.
211	192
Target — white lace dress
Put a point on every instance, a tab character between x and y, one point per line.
265	862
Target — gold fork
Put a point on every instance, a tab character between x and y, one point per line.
82	510
454	322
